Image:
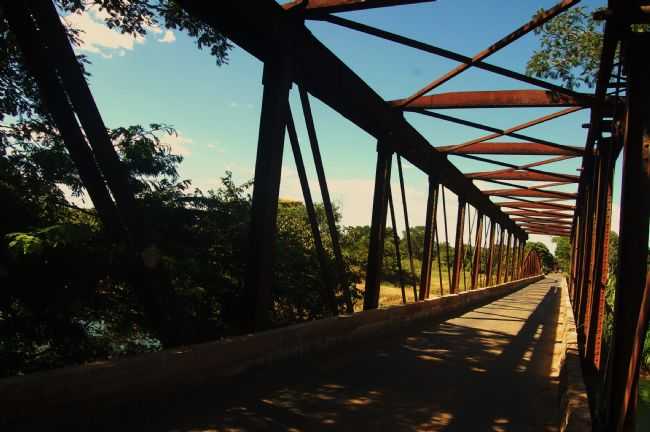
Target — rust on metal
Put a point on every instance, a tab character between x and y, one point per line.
513	174
511	148
333	6
538	20
529	193
495	99
551	206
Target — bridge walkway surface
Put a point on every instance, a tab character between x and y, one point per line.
490	369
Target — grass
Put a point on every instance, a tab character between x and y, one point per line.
391	294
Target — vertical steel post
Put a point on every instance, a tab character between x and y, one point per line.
444	219
377	227
398	255
427	251
500	254
507	258
522	249
407	227
327	286
268	167
325	194
603	218
632	303
458	248
515	262
590	255
488	267
442	291
586	246
476	268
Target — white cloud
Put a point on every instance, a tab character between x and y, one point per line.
97	38
215	148
168	37
179	144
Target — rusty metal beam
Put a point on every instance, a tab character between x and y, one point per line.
511	148
476	267
429	234
632	303
545	222
542	221
36	60
377	227
545	214
264	209
545	225
328	285
527	175
412	43
325	194
538	20
490	258
313	8
495	99
459	251
520	204
529	193
496	132
266	35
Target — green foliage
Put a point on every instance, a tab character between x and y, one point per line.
562	252
569	50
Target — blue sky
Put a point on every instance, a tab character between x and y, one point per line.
164	78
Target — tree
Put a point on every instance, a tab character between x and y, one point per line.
69	291
570	49
563	253
570	46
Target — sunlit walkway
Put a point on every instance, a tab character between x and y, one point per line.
489	369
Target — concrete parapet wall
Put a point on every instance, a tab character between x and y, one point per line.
99	386
575	415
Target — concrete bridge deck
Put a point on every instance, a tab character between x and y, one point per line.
490	369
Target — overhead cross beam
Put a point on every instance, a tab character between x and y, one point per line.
540	214
313	8
541	205
530	193
495	99
412	43
540	19
266	35
496	132
513	174
511	148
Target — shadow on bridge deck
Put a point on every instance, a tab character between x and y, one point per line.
489	369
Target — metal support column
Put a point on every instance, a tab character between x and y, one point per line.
632	296
429	229
328	286
377	227
268	166
458	248
488	267
476	267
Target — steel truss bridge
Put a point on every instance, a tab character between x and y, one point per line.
498	219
